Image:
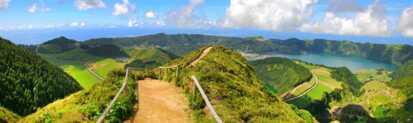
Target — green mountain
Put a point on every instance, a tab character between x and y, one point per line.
28	82
403	78
105	50
233	87
148	57
280	74
183	43
58	45
395	54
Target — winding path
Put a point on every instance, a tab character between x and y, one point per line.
203	54
161	102
316	82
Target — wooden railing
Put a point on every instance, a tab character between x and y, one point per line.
206	100
106	111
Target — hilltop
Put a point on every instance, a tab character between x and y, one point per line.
58	45
28	82
233	87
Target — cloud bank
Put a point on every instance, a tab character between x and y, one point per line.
275	15
89	4
406	22
370	21
4	4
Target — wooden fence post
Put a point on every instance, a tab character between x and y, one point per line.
206	100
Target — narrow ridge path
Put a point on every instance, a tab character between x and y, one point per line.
203	54
161	102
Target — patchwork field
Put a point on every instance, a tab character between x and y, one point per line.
81	74
327	83
103	67
373	75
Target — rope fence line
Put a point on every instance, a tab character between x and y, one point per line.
106	111
206	100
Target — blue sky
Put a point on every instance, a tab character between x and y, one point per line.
379	21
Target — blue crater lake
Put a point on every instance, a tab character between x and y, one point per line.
353	63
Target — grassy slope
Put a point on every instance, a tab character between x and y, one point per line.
74	63
103	67
381	99
86	105
233	88
8	116
155	54
281	73
327	83
373	75
81	74
29	82
403	78
148	57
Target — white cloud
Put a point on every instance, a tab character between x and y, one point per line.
78	24
275	15
89	4
185	17
150	14
32	8
133	22
344	6
370	22
406	22
4	4
37	8
122	9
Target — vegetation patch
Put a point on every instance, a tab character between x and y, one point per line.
281	73
8	116
105	66
148	58
82	75
28	82
87	105
245	98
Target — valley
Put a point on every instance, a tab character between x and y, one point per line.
242	85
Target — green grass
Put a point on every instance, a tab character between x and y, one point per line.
152	53
233	87
103	67
86	105
373	75
318	92
81	75
8	116
280	73
326	83
73	62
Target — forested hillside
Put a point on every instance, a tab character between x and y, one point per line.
183	43
280	74
88	104
403	78
58	45
395	54
148	57
28	82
